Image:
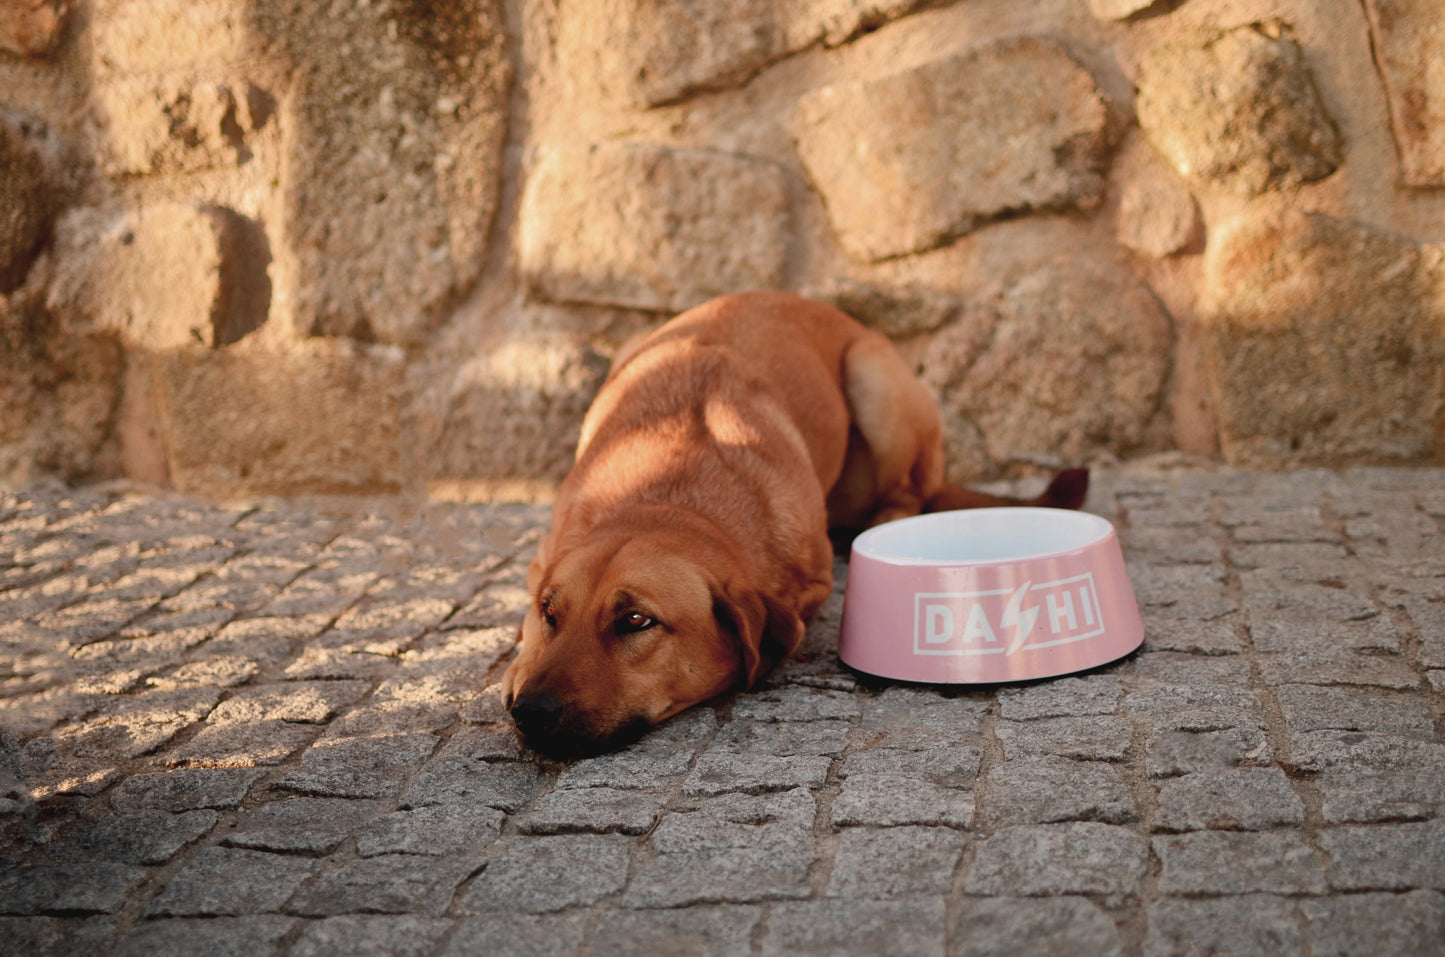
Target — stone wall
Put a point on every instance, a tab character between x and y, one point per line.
278	246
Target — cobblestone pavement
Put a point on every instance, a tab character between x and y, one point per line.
261	730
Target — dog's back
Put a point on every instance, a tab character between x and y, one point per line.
763	354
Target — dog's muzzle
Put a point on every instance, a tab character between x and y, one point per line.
546	724
537	716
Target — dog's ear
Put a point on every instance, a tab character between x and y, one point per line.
766	631
539	564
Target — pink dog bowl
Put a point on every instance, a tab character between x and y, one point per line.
988	595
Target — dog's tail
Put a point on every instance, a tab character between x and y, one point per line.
1068	489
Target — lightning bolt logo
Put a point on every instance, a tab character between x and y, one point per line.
1021	619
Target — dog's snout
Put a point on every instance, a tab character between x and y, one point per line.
537	715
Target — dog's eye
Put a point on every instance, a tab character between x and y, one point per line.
633	621
548	615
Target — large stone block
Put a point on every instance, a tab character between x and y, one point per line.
166	276
32	27
897	312
178	123
513	417
661	51
1121	9
1325	341
1409	47
391	140
26	207
649	227
911	161
1157	216
143	36
1237	110
1069	360
325	419
58	395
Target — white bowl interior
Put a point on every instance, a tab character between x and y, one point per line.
981	535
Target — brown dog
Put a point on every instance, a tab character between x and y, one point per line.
689	543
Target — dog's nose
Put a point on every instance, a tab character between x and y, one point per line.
537	715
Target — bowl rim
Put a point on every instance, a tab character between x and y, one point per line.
1089	530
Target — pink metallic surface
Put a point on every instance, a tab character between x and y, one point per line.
981	621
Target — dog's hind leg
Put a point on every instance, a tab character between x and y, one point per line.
895	452
894	466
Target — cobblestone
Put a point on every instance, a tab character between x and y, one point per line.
384	884
145	837
954	767
724	931
1416	791
720	772
211	935
898	862
888	800
540	874
233	881
1049	790
1103	738
363	935
301	825
1387	856
458	773
730	850
1052	859
361	767
856	928
1396	924
439	830
1309	708
275	729
1062	698
1249	799
1006	926
1251	924
600	810
1235	862
1172	753
90	887
184	789
520	935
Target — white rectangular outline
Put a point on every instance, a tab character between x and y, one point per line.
1003	647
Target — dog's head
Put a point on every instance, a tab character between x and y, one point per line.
626	630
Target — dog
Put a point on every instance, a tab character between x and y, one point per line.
690	542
